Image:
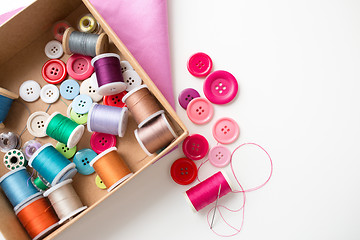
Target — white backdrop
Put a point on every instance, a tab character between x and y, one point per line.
297	67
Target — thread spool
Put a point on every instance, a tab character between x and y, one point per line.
64	200
17	188
40	183
30	147
59	28
38	217
111	168
88	44
108	119
88	24
52	165
14	159
8	141
142	105
109	79
6	99
64	129
206	192
155	135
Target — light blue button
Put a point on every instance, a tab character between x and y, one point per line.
82	161
82	104
69	89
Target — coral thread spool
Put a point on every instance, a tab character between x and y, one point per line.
155	135
59	28
6	99
64	200
111	168
38	217
206	192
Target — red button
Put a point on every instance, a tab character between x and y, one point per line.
79	67
199	64
99	142
115	100
54	71
183	171
195	147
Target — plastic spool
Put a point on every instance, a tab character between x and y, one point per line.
111	168
69	41
108	119
64	129
8	141
88	24
14	159
155	135
65	200
40	183
6	99
17	188
59	29
52	165
108	79
30	147
38	217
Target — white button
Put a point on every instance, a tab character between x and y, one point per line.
29	91
132	79
125	65
87	88
49	93
53	49
36	124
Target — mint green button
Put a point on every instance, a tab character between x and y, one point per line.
65	151
78	118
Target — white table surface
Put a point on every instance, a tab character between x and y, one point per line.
297	64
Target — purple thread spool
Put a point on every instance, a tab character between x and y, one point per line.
108	119
109	79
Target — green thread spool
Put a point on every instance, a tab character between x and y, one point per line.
40	184
64	129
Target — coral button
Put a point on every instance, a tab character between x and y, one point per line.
79	67
220	87
200	110
219	156
99	142
195	147
226	130
115	100
199	64
54	71
183	171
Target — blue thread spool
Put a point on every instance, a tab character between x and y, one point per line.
18	188
6	99
52	165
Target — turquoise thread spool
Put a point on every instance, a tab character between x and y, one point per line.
6	99
52	165
64	129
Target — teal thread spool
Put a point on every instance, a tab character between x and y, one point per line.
64	129
52	165
6	99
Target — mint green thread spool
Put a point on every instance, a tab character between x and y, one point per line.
64	129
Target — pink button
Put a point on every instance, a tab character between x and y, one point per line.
226	130
79	67
99	142
219	156
200	110
220	87
195	147
199	64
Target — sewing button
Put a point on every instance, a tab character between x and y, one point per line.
220	87
88	89
132	79
219	156
54	71
99	142
65	150
115	100
79	118
125	65
183	171
186	96
30	147
199	64
53	49
14	159
79	66
36	124
69	89
82	159
82	104
8	141
200	110
226	130
29	91
49	93
195	147
99	183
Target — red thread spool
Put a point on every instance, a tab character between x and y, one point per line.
59	28
37	217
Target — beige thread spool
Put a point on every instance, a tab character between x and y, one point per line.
142	105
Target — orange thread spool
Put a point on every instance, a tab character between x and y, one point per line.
111	168
37	217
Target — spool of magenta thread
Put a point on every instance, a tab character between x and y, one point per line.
109	79
207	191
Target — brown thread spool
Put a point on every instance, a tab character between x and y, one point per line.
111	168
142	105
156	134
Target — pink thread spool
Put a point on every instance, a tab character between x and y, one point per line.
207	191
